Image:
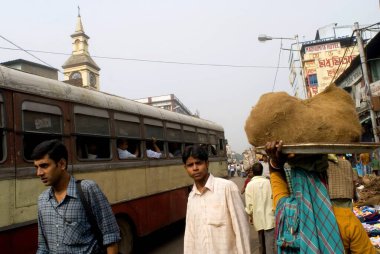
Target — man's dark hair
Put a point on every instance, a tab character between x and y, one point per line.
257	169
195	151
121	141
54	148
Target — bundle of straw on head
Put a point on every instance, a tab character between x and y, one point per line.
327	117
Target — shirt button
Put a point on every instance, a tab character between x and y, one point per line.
57	225
57	244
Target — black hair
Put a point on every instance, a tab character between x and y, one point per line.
54	148
257	169
195	151
120	141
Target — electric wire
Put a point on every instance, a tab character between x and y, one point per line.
26	51
367	27
156	61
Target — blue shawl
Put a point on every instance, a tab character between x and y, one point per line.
305	222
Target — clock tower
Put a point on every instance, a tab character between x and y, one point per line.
80	69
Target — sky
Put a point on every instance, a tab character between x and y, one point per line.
206	32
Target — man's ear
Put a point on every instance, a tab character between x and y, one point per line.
62	164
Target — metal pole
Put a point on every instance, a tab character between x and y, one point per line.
366	79
301	65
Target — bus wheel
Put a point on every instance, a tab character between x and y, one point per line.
126	233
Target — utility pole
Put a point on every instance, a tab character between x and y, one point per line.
368	92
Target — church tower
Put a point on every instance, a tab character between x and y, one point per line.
80	69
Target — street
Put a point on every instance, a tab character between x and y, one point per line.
170	239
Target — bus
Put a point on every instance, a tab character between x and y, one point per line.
145	194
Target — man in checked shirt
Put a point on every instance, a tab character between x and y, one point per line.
63	226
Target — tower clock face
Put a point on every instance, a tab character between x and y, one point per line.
76	75
92	79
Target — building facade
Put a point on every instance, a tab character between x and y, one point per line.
169	102
32	68
324	58
366	98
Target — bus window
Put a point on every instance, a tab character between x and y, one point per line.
175	149
155	149
222	146
213	146
127	129
154	131
202	136
128	148
173	134
213	150
40	122
93	133
89	147
174	137
127	125
189	135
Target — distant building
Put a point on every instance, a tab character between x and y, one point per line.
80	69
169	102
324	58
32	68
353	82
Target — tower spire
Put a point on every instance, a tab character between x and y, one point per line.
79	27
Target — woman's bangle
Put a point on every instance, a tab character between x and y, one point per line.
271	164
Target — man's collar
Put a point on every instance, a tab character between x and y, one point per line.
208	186
256	177
71	189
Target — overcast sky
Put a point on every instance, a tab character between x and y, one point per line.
194	31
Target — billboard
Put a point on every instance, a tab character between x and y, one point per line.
327	61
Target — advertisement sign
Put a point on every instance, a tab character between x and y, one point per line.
322	47
329	64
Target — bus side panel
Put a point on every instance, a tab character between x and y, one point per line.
19	240
154	212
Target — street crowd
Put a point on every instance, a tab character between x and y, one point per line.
267	189
295	203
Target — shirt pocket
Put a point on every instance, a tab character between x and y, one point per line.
76	233
216	214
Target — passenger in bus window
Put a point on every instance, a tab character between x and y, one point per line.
213	150
175	150
62	223
92	151
122	149
152	149
215	219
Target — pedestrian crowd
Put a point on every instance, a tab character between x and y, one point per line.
296	204
302	204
